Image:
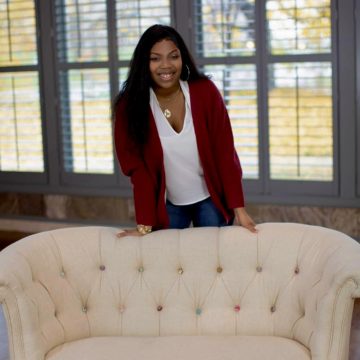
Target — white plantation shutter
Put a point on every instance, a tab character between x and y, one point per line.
226	29
84	74
238	86
81	30
299	26
300	92
300	120
297	56
21	142
84	92
86	122
18	33
134	17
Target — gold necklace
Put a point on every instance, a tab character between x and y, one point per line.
166	111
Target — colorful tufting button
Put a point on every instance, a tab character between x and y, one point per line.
219	269
159	308
102	267
297	270
198	311
141	269
180	271
273	308
237	308
84	309
259	269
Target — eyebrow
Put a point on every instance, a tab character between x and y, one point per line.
154	53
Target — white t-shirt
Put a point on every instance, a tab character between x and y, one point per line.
185	183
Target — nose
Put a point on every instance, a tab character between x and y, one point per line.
164	62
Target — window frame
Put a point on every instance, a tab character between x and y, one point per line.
357	39
20	178
265	185
68	179
344	190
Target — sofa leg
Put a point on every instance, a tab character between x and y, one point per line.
4	348
354	352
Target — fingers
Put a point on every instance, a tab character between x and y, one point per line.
247	223
121	234
252	228
128	232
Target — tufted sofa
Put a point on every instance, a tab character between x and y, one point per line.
286	292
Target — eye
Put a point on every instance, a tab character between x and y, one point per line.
154	58
175	56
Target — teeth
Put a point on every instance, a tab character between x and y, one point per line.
165	76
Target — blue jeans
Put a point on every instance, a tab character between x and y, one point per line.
202	213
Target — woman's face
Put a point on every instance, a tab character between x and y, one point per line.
165	64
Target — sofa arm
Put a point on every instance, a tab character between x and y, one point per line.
338	287
15	278
354	352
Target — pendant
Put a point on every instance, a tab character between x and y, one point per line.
167	113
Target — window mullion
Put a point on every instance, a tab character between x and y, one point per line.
357	19
114	65
50	120
263	119
346	55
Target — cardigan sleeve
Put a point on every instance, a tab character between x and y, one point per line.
133	166
224	151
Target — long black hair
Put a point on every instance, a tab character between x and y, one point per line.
136	88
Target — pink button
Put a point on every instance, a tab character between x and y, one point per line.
237	308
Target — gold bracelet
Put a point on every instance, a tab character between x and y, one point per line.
143	229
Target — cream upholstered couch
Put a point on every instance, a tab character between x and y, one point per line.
201	293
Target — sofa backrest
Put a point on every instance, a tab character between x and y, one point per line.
82	282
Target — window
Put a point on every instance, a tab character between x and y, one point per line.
84	74
300	92
82	49
225	46
238	86
132	19
21	142
285	69
300	120
299	89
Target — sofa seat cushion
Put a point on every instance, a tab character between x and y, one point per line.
181	348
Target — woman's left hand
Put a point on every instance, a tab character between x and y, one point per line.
128	232
243	218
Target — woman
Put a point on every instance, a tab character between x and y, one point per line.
174	140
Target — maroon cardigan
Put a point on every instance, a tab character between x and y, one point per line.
222	170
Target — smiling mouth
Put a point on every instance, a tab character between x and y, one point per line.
166	76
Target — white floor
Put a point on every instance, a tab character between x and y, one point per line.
4	353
